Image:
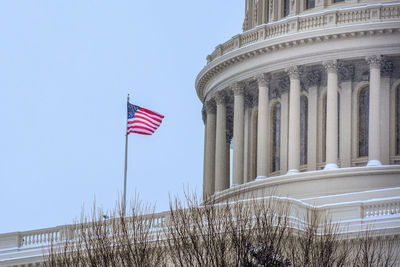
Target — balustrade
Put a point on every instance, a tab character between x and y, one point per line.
309	22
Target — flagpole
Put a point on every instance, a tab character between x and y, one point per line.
125	171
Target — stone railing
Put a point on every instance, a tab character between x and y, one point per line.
44	237
315	21
382	208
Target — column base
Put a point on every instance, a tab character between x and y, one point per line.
330	166
374	163
292	171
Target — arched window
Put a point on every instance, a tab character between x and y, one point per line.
276	137
303	129
398	120
363	121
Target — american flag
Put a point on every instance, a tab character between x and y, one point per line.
142	120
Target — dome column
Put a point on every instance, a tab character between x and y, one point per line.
209	150
294	120
262	130
331	115
238	134
374	140
221	172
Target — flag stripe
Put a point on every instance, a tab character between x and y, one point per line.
141	127
148	116
141	122
152	113
139	116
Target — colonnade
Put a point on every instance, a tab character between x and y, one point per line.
217	145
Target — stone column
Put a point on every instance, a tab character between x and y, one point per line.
331	115
262	130
238	134
209	159
294	120
374	141
220	146
346	75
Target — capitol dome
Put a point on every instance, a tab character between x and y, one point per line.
306	102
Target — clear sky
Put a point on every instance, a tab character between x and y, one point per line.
65	70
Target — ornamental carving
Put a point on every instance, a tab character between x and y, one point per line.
293	72
284	84
331	65
220	97
374	61
229	124
312	78
346	72
387	68
204	114
237	88
263	79
210	107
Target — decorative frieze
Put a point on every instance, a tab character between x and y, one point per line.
311	78
346	72
387	68
210	107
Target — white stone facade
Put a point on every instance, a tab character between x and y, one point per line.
320	82
307	100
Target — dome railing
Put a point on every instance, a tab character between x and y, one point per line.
306	22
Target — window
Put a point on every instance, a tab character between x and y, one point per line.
337	1
286	7
303	129
276	137
310	4
363	121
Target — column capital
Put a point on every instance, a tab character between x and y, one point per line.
331	65
293	72
210	107
263	79
204	114
374	61
237	88
220	97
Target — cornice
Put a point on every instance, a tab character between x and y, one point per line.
260	42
